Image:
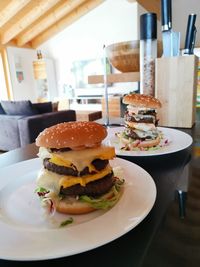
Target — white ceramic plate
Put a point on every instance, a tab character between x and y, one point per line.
177	140
27	235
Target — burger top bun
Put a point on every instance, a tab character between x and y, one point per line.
75	135
140	100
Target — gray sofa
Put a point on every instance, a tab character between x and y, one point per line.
22	121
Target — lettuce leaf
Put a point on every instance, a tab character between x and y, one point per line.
66	222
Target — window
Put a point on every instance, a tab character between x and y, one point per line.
84	68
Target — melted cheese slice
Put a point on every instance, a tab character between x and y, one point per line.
66	163
81	158
68	181
141	126
53	181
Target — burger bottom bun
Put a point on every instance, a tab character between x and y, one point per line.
138	143
76	206
73	208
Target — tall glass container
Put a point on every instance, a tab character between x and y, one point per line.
148	52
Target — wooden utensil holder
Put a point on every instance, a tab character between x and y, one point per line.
176	88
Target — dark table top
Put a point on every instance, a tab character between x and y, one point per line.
168	236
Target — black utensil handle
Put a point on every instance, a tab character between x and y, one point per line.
190	33
166	14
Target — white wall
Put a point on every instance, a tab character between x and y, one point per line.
27	88
180	11
111	22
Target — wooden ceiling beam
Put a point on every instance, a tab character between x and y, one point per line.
6	69
25	17
55	14
66	21
151	6
11	8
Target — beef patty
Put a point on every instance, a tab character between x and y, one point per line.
64	149
140	118
97	163
95	188
132	134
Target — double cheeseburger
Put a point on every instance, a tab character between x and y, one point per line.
76	177
140	122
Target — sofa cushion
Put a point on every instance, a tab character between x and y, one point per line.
23	107
43	107
2	111
9	134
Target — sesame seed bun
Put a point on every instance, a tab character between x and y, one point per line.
140	100
75	135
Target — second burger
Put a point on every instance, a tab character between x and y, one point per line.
141	120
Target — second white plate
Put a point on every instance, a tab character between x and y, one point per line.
177	140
